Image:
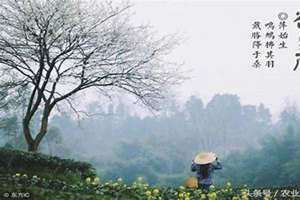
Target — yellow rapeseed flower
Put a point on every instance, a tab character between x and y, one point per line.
245	197
119	179
88	180
155	191
115	184
148	193
212	196
96	179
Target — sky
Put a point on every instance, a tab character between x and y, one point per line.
217	48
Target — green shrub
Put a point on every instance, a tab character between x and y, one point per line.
43	189
42	184
14	161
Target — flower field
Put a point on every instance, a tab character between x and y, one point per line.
38	177
91	188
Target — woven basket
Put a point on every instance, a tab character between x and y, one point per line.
191	182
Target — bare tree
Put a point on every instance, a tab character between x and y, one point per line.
59	48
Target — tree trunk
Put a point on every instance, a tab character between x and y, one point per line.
33	147
27	134
44	127
33	144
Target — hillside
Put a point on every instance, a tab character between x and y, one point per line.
37	176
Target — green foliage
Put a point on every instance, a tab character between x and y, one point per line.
160	148
276	163
43	185
126	145
44	189
34	163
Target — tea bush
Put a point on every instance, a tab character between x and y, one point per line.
19	161
46	185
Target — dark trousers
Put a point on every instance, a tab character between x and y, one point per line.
204	186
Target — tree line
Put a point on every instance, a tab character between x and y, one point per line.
159	147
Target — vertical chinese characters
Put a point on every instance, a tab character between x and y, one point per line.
283	34
269	44
297	21
256	43
270	38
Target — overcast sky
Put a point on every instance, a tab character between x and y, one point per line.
218	48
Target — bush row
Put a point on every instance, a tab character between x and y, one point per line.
92	188
16	161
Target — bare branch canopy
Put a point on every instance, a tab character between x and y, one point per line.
61	47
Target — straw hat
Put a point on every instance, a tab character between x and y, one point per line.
205	158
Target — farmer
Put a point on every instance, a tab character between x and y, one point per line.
204	165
